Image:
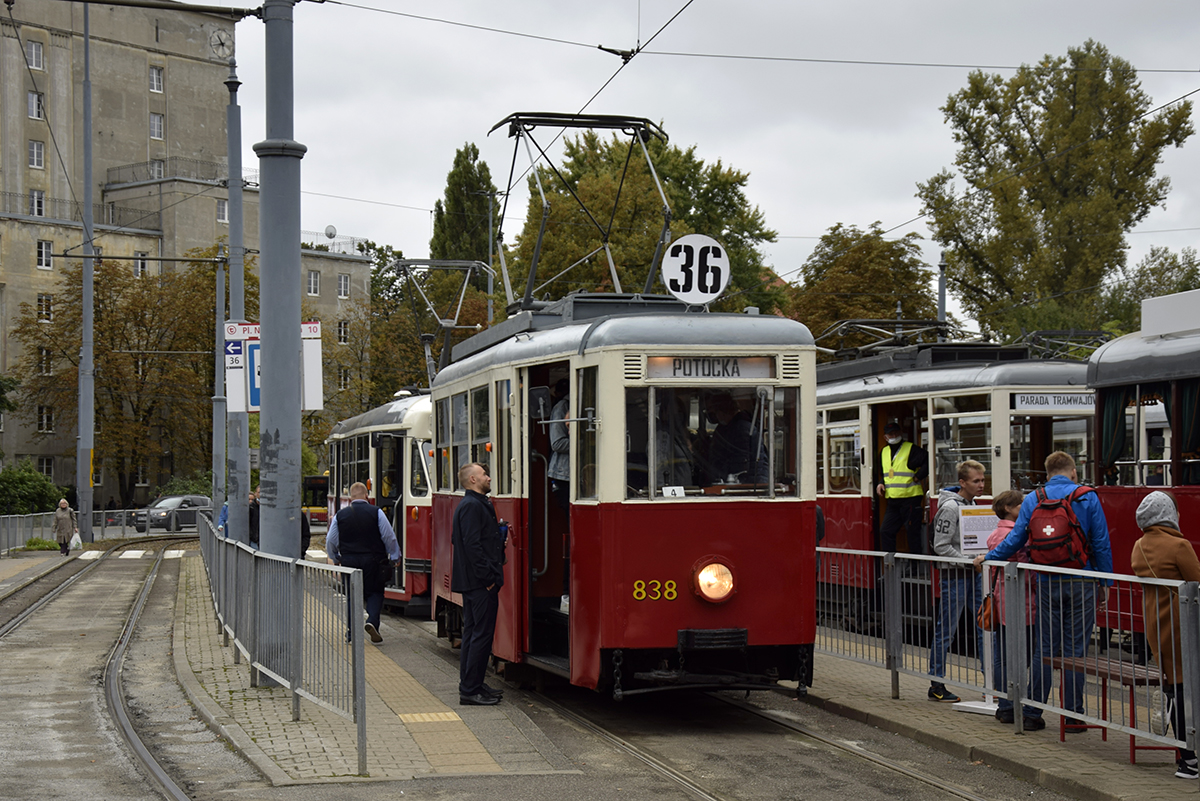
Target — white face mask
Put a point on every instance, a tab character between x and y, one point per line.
893	440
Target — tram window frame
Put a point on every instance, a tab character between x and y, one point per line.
502	450
820	443
586	436
445	478
418	469
1020	458
944	470
362	462
460	433
390	445
481	429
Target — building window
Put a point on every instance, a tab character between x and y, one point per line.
156	79
222	211
141	265
157	125
45	308
37	154
343	285
34	54
45	419
45	254
343	332
45	466
45	361
314	282
37	106
37	203
343	378
158	169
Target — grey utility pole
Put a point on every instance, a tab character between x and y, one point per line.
87	375
238	525
279	220
218	418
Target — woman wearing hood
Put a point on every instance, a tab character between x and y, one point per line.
1163	553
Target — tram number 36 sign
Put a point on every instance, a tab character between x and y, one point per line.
695	269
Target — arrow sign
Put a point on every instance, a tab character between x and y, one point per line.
233	348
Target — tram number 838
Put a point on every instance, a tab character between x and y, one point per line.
655	590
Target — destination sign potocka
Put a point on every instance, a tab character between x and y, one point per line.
711	368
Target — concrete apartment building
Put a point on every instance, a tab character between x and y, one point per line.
159	180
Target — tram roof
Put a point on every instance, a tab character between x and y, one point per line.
1135	358
934	378
585	322
389	415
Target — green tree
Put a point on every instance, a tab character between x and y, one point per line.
856	274
8	386
704	198
1059	162
1161	272
26	491
460	218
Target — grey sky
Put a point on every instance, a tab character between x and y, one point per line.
383	101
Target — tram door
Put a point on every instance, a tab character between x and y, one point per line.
910	528
389	494
549	519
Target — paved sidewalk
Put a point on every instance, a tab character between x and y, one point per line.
1084	766
412	729
20	569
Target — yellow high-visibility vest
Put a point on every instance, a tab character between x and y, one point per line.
897	475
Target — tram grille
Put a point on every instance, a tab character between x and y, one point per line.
633	367
789	366
704	639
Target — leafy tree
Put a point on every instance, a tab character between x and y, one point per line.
1161	272
8	386
460	219
1059	162
856	274
704	198
26	491
198	483
153	340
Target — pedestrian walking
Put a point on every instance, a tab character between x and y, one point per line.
65	526
360	536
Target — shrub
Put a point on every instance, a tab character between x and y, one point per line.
39	544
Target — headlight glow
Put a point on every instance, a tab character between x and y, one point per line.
714	582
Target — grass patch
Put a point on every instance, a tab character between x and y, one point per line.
39	544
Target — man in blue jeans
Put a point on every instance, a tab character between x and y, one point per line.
1066	608
959	586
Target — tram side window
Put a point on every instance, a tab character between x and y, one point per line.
459	434
820	453
389	467
1139	452
502	475
444	472
362	462
585	436
418	481
1032	438
481	431
958	438
845	452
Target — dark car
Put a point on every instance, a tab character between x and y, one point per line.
171	512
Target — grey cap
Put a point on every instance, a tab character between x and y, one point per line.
1157	508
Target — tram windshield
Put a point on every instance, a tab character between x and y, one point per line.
702	440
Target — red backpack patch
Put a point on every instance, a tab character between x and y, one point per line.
1055	535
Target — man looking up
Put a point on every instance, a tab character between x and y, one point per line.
477	574
360	536
905	466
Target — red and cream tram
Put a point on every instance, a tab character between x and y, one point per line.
687	567
387	449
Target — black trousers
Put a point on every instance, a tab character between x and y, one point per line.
479	627
902	513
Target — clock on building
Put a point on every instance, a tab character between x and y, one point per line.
221	43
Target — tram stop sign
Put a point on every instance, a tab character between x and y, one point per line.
695	269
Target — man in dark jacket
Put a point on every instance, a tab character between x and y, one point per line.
478	575
360	536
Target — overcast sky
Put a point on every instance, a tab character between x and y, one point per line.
384	100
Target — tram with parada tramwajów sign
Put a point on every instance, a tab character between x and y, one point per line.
686	546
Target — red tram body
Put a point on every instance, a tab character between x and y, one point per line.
645	523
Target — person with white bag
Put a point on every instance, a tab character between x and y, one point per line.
65	526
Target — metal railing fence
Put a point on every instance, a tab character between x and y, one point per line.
62	209
1053	651
16	530
298	623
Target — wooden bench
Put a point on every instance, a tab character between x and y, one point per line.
1127	674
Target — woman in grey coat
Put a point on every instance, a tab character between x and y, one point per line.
64	526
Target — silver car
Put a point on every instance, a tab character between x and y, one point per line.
171	512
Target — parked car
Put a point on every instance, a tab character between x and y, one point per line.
171	512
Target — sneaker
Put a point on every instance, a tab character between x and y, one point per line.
1030	723
1004	715
564	605
938	692
373	633
1186	769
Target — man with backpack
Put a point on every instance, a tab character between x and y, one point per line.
1064	526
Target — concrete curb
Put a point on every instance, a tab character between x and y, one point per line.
209	710
35	577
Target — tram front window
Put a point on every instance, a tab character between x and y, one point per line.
695	438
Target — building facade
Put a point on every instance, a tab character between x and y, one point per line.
160	190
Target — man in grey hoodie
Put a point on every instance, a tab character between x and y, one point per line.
960	587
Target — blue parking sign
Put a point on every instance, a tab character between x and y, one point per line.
254	378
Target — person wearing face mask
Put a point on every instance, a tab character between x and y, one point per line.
905	466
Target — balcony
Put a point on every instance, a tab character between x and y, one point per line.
56	210
174	168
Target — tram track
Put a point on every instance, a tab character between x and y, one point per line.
49	586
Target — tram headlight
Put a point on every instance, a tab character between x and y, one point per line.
714	582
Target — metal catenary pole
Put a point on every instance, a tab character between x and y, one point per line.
218	435
87	374
238	526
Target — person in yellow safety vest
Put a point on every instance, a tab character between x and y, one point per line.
905	466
